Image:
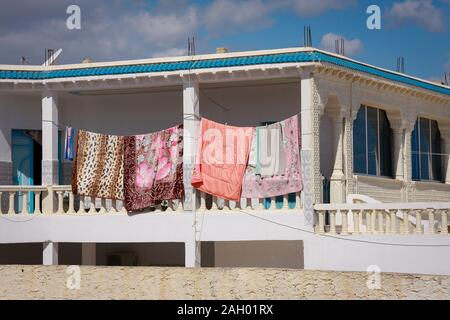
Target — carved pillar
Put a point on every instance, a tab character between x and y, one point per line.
348	143
337	180
409	186
445	135
310	153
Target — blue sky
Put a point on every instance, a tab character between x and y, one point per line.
120	29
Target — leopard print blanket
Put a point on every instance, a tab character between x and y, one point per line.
98	167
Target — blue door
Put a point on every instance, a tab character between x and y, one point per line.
23	166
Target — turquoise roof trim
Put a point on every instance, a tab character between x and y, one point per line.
302	56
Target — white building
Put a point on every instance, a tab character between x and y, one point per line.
375	142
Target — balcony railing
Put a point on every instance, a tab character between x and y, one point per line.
61	200
383	218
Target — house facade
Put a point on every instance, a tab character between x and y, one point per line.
374	157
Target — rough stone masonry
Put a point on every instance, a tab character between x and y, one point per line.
96	282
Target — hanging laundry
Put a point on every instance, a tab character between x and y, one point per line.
68	143
222	157
153	168
270	156
98	168
284	175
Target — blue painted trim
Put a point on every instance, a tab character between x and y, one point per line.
310	56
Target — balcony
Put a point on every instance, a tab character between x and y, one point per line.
60	200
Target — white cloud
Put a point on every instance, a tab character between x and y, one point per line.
314	7
133	29
421	12
352	47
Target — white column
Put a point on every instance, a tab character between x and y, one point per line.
191	117
192	255
50	253
337	180
88	254
49	148
310	153
445	134
398	152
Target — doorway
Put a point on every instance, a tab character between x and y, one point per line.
27	162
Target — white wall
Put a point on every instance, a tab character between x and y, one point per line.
17	112
250	105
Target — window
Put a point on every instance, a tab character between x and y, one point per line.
426	151
372	136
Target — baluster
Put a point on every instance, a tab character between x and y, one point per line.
394	220
431	221
332	221
25	202
298	203
113	208
226	205
405	229
37	202
357	218
368	221
92	209
444	222
261	204
71	203
321	218
60	209
81	209
273	203
202	201
418	221
214	204
123	210
102	206
179	205
1	212
373	221
381	221
344	215
11	202
285	202
388	221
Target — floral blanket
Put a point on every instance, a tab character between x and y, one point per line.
153	168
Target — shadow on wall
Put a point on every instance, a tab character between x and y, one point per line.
262	254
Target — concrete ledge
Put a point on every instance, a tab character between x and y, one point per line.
54	282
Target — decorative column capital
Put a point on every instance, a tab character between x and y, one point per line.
444	129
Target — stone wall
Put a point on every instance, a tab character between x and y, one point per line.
51	282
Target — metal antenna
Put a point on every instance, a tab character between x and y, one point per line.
401	64
307	36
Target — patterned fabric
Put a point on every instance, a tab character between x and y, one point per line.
68	144
222	157
257	186
98	168
153	168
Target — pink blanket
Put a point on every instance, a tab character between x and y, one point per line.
222	157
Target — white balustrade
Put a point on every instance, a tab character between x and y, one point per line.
384	218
